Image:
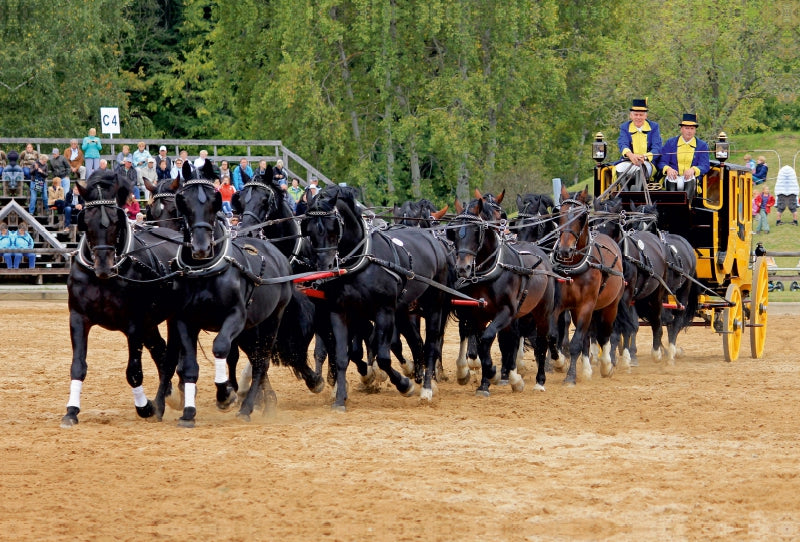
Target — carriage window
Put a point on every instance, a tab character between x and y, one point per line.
712	188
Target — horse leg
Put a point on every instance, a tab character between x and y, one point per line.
384	328
338	348
508	339
603	324
135	377
540	352
653	307
160	353
409	328
166	393
188	371
502	320
466	330
560	342
435	321
582	319
79	334
221	348
258	343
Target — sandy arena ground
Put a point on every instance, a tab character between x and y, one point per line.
702	450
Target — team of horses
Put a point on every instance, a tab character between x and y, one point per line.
363	285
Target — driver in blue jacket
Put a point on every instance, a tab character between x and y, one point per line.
639	141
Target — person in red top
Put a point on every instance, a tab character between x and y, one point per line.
227	191
762	204
132	207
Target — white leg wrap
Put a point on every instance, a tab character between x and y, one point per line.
220	370
75	388
139	398
189	391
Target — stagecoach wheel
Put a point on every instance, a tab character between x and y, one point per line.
794	287
779	286
732	324
759	301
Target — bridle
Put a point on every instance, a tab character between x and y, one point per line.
105	221
582	212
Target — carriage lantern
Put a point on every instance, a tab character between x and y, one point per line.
722	147
599	148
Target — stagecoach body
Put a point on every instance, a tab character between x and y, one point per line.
717	222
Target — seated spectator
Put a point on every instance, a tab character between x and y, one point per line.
140	156
163	171
27	158
302	203
177	170
279	174
264	170
55	195
131	175
5	242
224	171
132	207
227	190
3	161
13	176
760	174
150	173
58	168
22	240
749	162
126	151
787	190
74	156
73	204
162	157
295	191
38	184
242	174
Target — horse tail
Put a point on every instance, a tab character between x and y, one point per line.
295	332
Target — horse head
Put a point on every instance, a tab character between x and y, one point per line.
198	204
163	210
534	212
254	203
103	220
332	226
468	231
610	214
418	214
648	217
573	225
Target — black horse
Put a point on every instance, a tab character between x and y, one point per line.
645	270
536	220
235	287
162	211
119	280
681	279
379	276
517	284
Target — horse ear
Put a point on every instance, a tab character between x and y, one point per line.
585	195
217	202
459	206
187	172
236	203
396	211
82	190
519	202
478	194
549	202
564	193
437	215
150	186
499	199
180	204
176	182
81	221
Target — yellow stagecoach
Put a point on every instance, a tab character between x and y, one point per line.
717	222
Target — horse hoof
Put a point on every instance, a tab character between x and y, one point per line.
412	388
538	387
559	363
517	382
606	369
473	363
318	387
634	362
174	399
69	421
243	416
481	393
368	378
495	379
229	401
502	382
407	368
185	423
380	375
187	420
569	382
464	377
426	395
146	411
338	408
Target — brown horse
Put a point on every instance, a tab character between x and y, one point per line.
593	262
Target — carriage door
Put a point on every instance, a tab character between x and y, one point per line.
743	208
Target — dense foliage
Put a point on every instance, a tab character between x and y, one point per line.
421	98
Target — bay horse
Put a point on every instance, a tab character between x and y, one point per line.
645	270
236	287
681	279
119	280
593	262
162	211
380	275
516	282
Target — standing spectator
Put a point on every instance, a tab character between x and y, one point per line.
132	207
787	190
55	195
295	191
162	157
73	203
749	162
38	184
140	156
227	190
684	158
762	204
150	173
23	240
126	151
242	174
13	175
91	151
639	143
58	168
279	173
5	242
760	174
27	159
130	175
74	156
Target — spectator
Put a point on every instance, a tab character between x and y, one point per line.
177	170
55	195
163	170
73	203
787	190
749	162
302	203
313	186
295	191
58	168
3	161
27	159
224	171
760	174
23	240
200	161
38	184
684	158
74	156
5	242
13	175
130	175
227	190
140	156
126	151
639	143
162	157
150	173
279	174
184	156
132	207
762	204
263	171
242	174
91	151
103	164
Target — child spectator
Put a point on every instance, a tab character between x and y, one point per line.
749	162
762	204
760	174
227	190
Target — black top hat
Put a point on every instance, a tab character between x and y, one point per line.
689	119
639	105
